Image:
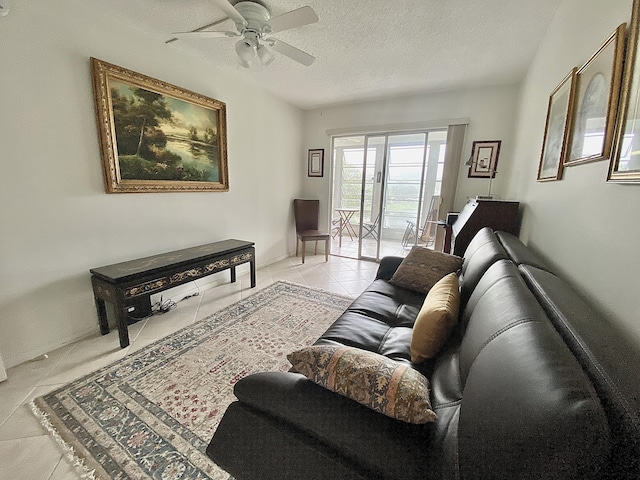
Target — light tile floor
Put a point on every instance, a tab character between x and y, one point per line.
26	451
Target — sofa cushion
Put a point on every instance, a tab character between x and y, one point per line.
527	405
423	267
436	319
380	320
386	386
346	432
608	356
483	251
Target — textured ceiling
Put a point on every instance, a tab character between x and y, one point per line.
366	49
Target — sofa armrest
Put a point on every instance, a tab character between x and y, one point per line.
253	446
388	266
380	445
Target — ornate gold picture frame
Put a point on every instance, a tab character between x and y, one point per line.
596	102
156	137
625	157
556	131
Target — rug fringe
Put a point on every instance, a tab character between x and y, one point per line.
67	450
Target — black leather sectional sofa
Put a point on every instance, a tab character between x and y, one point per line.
533	383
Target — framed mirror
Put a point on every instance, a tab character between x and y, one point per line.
625	157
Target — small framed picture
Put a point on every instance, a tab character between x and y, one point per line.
554	147
316	162
484	159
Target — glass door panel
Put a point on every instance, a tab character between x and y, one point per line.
406	171
423	230
348	159
372	191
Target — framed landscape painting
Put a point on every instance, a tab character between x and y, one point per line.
556	131
156	137
597	92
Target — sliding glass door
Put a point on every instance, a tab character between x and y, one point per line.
372	197
384	191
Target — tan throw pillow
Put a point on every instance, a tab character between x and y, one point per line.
375	381
423	267
437	317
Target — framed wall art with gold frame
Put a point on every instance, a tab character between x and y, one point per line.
625	157
157	137
596	102
556	131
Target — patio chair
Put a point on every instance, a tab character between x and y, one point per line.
427	233
335	226
371	228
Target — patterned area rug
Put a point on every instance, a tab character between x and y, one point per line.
152	414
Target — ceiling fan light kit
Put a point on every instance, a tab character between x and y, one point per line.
253	21
245	52
265	56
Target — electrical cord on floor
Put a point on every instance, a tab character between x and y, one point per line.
168	305
137	319
163	306
195	294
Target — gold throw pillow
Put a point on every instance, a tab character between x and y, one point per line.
437	317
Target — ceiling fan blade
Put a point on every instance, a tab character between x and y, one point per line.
293	19
291	52
230	11
187	35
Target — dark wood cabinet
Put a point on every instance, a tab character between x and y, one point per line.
477	214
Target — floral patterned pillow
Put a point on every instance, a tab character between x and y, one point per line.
375	381
423	267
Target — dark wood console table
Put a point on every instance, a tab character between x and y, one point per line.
129	285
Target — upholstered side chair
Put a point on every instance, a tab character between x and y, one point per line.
306	213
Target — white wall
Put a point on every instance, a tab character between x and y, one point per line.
587	227
3	373
491	113
57	221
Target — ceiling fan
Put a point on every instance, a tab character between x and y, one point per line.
254	23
